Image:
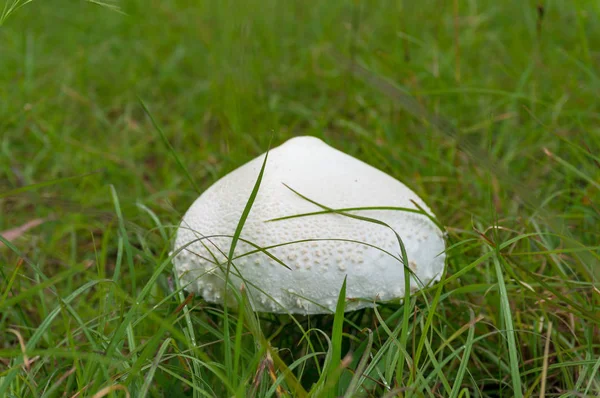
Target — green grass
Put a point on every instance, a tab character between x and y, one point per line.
490	113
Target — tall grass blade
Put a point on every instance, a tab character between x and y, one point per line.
462	369
170	147
152	370
234	240
510	332
336	344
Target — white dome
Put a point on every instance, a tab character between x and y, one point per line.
319	250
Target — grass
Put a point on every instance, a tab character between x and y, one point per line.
488	110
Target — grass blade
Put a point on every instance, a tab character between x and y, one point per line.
456	388
234	240
332	371
509	329
170	147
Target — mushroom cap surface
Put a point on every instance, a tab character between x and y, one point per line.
319	250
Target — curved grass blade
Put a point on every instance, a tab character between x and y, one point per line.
152	369
234	240
170	147
509	329
359	376
419	210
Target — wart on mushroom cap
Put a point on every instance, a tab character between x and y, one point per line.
320	250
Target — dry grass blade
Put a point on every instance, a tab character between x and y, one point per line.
107	390
26	361
14	233
545	366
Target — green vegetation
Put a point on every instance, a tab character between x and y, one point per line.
489	110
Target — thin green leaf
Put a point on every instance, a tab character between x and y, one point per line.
170	147
509	330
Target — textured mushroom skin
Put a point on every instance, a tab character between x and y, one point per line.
319	264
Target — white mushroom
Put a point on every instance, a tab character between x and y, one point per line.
318	250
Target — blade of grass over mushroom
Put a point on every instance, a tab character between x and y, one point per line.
407	273
404	256
346	209
246	212
264	250
258	249
256	328
282	165
234	241
170	147
405	315
329	211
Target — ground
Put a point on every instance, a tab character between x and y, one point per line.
488	110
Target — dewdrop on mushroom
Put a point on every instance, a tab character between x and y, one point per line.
318	250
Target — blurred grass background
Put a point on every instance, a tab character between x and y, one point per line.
516	185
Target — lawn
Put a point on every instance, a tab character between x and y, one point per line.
488	110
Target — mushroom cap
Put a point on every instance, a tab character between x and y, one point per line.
319	251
